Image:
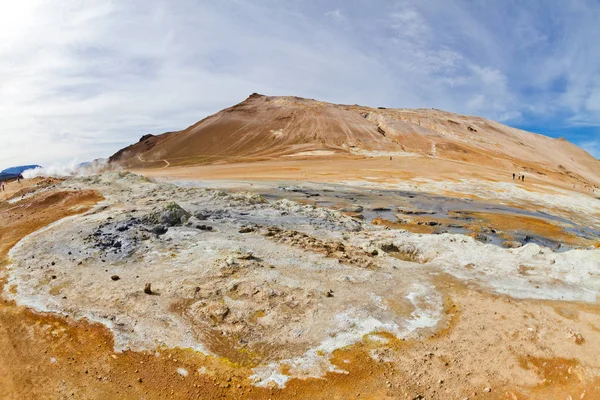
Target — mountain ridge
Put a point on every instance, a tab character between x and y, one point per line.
270	127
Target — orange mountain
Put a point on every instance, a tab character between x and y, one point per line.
265	128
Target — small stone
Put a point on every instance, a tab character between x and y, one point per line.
148	288
246	229
160	230
487	389
115	277
140	380
576	337
329	293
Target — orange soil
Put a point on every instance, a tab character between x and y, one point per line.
27	216
375	170
537	226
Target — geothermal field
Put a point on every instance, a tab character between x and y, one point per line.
287	248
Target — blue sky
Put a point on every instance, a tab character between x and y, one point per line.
80	79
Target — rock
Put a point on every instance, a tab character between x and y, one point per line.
329	293
416	212
201	215
456	226
355	215
245	256
487	389
115	277
511	244
389	248
352	209
380	209
204	227
145	137
576	337
481	237
160	230
246	229
230	260
169	215
148	288
217	312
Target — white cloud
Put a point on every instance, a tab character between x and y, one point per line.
82	78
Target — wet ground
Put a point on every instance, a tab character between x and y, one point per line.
489	222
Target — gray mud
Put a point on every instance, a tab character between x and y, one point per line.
392	205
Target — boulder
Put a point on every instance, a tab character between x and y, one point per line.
169	215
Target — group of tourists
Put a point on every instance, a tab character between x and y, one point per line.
3	183
520	177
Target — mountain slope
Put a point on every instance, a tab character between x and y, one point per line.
263	127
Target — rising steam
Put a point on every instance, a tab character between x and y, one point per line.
70	169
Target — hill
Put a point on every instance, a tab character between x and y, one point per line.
265	128
13	172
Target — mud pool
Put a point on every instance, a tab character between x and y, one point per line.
443	214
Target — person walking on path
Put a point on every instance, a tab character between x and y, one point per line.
3	186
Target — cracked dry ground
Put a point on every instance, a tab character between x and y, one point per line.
486	346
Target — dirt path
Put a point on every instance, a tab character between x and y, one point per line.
151	161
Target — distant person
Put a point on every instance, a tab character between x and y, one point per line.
523	177
514	176
2	185
390	158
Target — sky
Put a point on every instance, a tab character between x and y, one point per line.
80	79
